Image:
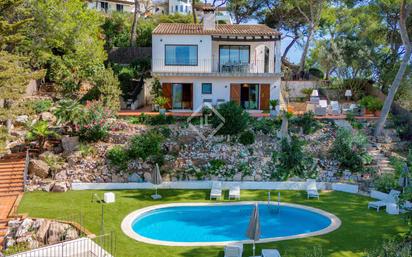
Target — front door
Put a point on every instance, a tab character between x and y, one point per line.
249	96
182	96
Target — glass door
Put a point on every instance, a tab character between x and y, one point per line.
177	96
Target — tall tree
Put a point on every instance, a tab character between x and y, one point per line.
136	14
311	10
405	11
244	10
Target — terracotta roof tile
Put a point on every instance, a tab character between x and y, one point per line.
221	29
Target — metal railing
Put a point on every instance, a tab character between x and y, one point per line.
26	170
100	246
213	66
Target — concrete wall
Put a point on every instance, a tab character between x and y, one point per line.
295	87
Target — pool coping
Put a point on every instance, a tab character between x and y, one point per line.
127	223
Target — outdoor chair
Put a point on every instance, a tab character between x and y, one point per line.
234	192
391	198
216	191
270	253
234	250
335	108
312	189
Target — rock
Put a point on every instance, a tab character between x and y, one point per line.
37	224
147	177
71	234
70	144
248	178
56	232
59	187
46	155
24	227
237	177
39	168
258	177
10	242
22	119
134	177
48	116
14	223
42	231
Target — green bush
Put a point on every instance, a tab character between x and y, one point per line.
307	92
385	183
146	145
392	248
40	106
265	125
159	120
235	119
292	160
118	157
96	122
247	138
307	122
357	86
87	150
316	73
164	131
371	103
350	150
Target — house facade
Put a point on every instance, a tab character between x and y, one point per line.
215	63
146	6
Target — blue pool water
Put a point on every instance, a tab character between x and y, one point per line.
219	223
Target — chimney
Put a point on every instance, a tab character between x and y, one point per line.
209	18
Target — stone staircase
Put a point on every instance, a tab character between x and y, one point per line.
380	162
11	188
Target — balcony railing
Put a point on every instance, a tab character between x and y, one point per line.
213	66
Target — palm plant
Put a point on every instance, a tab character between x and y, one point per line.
70	112
40	131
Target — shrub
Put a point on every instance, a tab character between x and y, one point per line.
292	160
307	92
403	123
164	131
307	122
118	157
392	248
96	123
316	73
108	88
40	131
158	120
70	112
40	106
87	150
265	125
146	145
350	150
357	86
247	138
371	103
385	183
235	119
161	101
54	161
156	90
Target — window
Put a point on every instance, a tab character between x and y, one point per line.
176	8
119	7
185	55
104	6
231	56
186	8
206	88
181	8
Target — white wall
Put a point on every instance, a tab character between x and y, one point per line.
203	42
187	6
296	86
221	86
112	5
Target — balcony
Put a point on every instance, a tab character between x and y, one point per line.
207	67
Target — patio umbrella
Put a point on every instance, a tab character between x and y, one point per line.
156	180
253	231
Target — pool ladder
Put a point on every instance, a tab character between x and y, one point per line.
277	208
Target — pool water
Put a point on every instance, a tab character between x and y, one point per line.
220	223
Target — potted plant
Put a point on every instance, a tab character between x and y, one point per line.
274	107
371	105
307	92
161	102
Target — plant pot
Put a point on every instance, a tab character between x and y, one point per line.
274	113
155	107
368	112
377	113
162	111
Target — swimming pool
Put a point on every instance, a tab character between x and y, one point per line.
193	224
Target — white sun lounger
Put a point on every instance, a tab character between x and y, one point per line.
391	198
312	189
234	250
270	253
216	191
234	192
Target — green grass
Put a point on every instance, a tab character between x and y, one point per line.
361	228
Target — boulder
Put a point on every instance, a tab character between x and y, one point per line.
41	233
134	177
237	176
248	178
70	144
22	119
24	227
147	177
71	234
48	116
39	168
56	232
59	187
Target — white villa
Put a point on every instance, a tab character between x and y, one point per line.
213	63
119	5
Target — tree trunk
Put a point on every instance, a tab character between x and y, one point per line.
194	12
306	48
285	53
133	36
404	13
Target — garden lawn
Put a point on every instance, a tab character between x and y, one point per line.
361	228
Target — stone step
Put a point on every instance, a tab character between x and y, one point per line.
11	190
11	181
